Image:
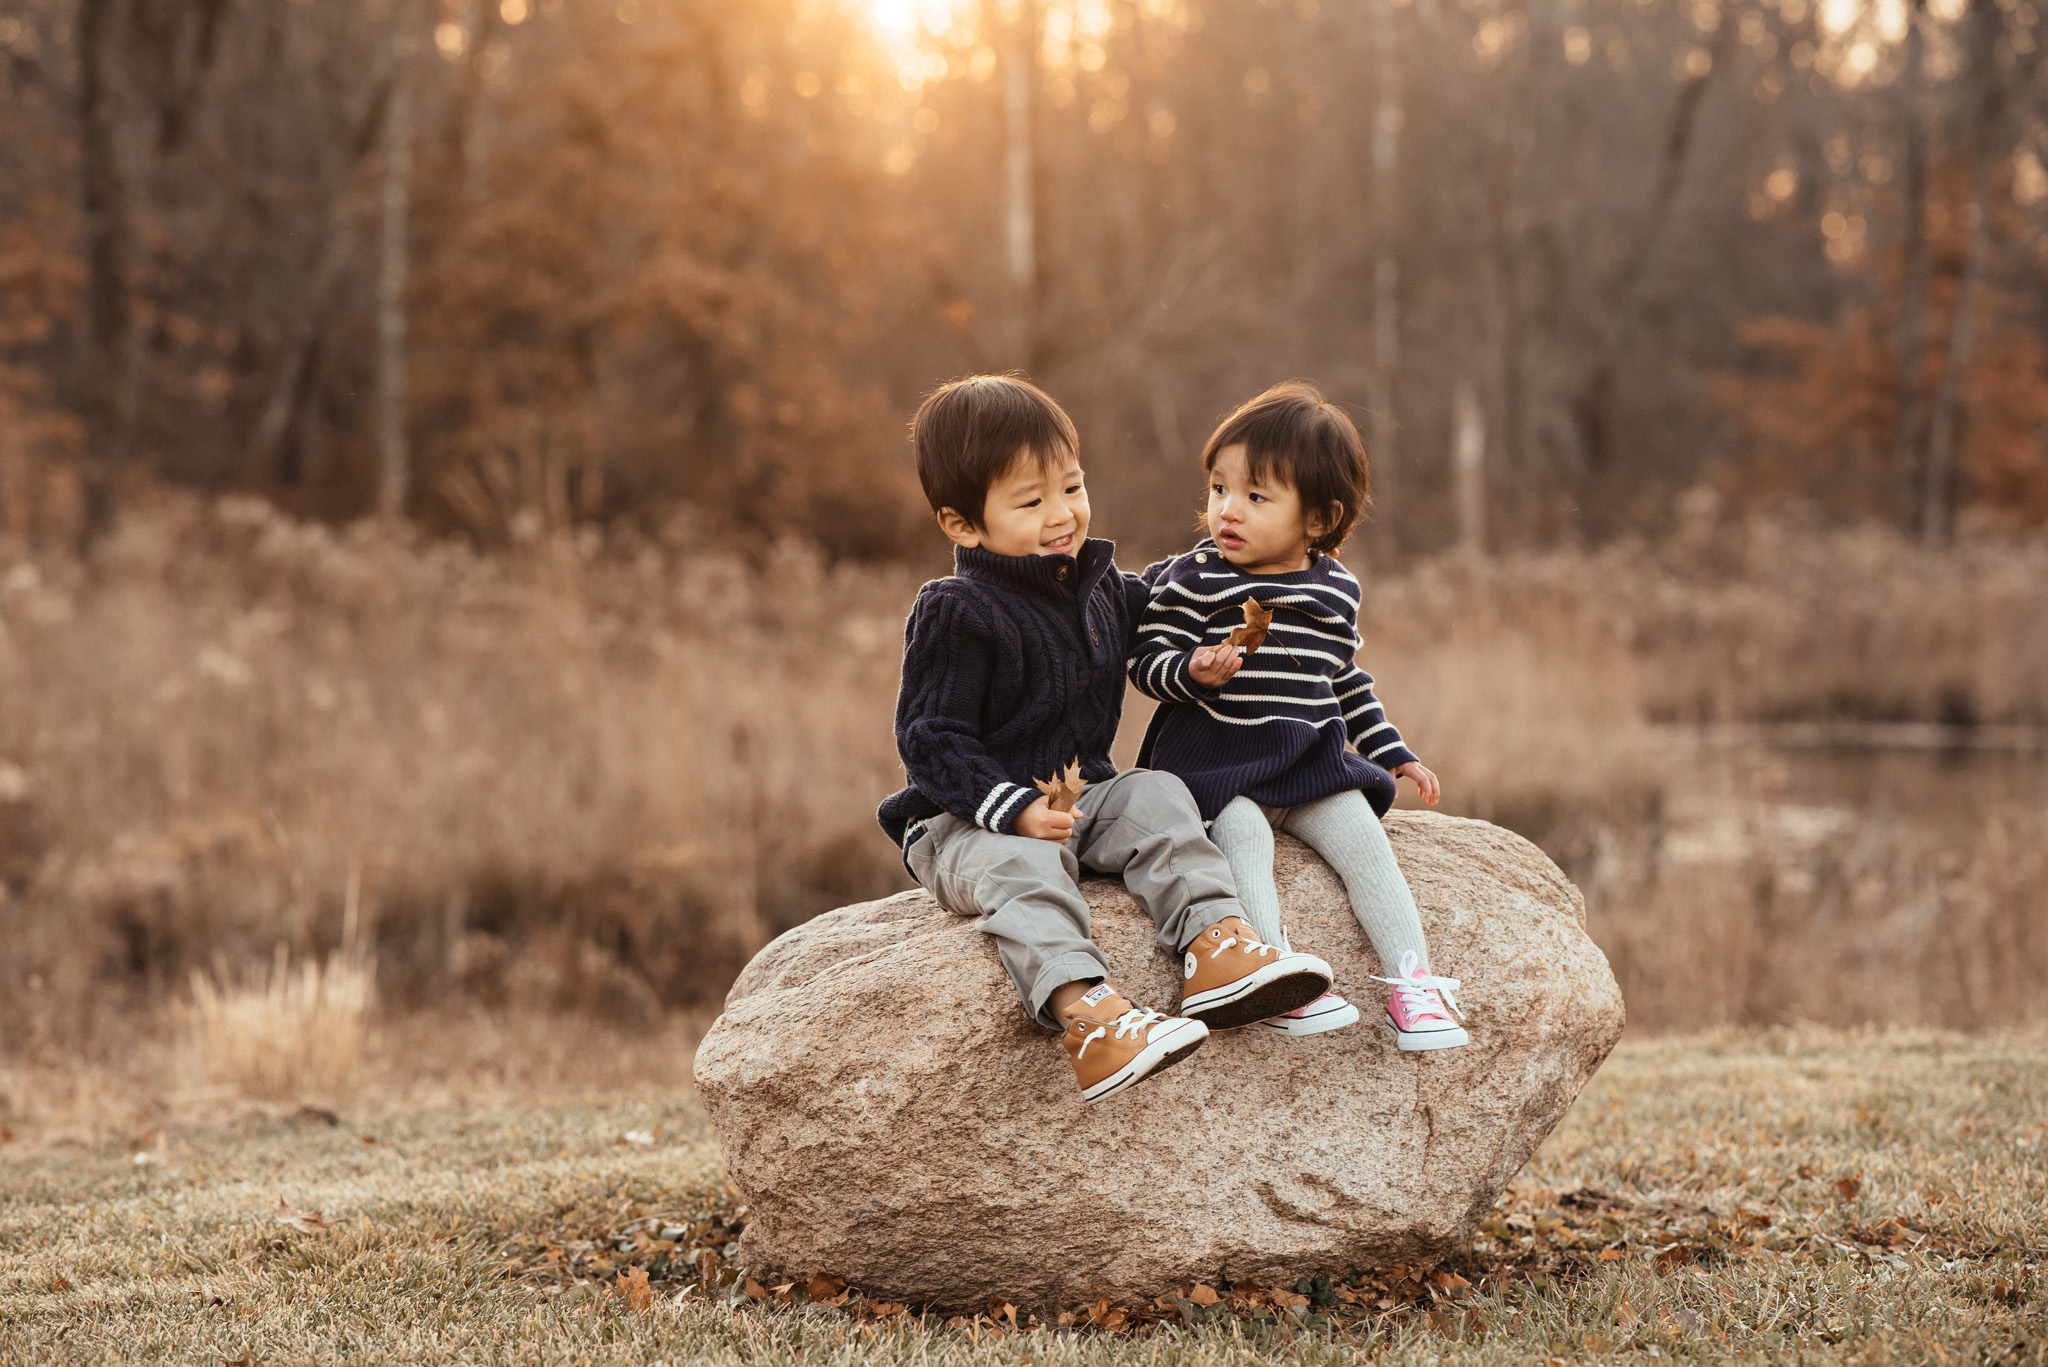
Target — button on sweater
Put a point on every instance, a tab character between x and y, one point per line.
1276	731
1012	669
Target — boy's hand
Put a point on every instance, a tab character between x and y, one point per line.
1040	822
1212	666
1425	780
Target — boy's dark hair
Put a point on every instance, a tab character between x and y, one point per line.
967	434
1291	431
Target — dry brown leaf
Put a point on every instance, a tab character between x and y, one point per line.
754	1291
1203	1295
1065	789
1849	1186
632	1288
1258	620
61	1284
823	1288
1611	1255
304	1221
247	1359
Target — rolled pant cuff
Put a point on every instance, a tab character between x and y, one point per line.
1068	968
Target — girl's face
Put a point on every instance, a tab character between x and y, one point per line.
1259	527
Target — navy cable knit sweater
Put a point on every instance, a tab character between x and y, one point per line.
1012	668
1276	732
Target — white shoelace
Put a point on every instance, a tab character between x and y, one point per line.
1251	946
1413	988
1137	1018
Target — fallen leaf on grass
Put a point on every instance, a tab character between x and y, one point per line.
1000	1309
1849	1186
1611	1255
247	1359
754	1291
304	1221
1676	1256
1203	1295
61	1284
824	1290
632	1288
1258	621
1065	789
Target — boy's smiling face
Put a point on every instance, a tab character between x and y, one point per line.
1036	507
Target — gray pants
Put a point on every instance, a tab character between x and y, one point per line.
1025	893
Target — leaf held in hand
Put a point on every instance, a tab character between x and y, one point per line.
1257	621
1065	789
304	1221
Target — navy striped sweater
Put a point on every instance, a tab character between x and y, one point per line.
1012	668
1276	732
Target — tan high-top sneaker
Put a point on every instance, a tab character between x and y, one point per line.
1113	1044
1231	977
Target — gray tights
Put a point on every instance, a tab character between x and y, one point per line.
1344	831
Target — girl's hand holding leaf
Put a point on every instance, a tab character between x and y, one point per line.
1213	666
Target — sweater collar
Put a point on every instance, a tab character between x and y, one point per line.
1046	576
1318	566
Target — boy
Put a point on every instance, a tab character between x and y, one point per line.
1013	668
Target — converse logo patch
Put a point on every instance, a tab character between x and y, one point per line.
1094	995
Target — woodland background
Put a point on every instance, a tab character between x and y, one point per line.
455	516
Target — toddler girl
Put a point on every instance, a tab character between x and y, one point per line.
1284	732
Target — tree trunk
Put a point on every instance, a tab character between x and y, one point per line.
1937	496
393	461
1468	466
1593	404
1020	182
1906	448
1386	271
109	305
291	382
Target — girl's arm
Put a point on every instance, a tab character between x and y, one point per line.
1365	721
1168	662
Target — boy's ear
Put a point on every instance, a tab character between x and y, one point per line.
958	529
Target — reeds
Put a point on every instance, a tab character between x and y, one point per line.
594	776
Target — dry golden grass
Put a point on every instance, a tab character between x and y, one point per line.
1789	1196
586	780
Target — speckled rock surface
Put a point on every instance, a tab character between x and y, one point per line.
892	1117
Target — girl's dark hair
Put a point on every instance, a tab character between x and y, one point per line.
1292	433
967	434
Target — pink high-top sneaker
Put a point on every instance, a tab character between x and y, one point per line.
1418	1013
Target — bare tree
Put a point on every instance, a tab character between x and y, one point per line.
109	303
1917	267
393	464
1937	496
1468	465
1386	268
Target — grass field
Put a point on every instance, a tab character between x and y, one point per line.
1773	1197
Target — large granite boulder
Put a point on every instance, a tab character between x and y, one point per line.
893	1118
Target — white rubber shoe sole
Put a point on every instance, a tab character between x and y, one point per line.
1427	1039
1290	982
1159	1054
1315	1018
